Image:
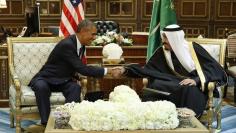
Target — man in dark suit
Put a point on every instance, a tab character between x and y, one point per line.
66	59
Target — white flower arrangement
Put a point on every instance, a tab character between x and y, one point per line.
123	111
112	51
123	94
112	37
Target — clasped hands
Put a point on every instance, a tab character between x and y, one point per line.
116	72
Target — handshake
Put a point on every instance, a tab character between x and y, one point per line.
116	72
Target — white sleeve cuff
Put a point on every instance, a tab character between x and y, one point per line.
105	71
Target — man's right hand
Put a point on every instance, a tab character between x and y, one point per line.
116	72
188	81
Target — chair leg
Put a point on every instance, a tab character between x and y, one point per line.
18	120
234	90
218	117
11	118
210	111
18	124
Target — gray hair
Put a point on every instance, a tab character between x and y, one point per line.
86	23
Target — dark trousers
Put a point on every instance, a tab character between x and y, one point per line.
42	89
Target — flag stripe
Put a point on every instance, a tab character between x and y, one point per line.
81	11
70	17
79	16
65	31
72	10
67	25
72	14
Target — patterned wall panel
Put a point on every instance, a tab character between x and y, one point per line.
195	31
146	9
145	27
117	9
14	8
225	10
91	8
127	27
197	9
221	30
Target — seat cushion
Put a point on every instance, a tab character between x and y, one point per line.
29	109
28	96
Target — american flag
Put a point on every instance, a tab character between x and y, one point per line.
72	14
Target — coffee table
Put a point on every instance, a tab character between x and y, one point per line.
198	128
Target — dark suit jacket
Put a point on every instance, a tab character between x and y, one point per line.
63	62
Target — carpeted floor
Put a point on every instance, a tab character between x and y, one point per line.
228	120
5	122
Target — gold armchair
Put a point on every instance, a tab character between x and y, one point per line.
26	57
230	60
216	48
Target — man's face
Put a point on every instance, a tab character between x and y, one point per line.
87	35
165	42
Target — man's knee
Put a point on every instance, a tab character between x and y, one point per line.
41	86
72	92
75	88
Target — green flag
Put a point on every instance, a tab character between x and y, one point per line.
163	14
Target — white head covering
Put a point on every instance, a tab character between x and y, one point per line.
179	45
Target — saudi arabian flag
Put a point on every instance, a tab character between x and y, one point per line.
163	14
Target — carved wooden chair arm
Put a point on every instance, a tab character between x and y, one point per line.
17	85
82	81
15	78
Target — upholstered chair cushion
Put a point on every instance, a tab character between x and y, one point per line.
29	58
213	50
104	26
28	97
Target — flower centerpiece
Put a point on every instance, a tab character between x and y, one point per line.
123	111
112	53
112	37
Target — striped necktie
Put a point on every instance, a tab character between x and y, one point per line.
82	55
